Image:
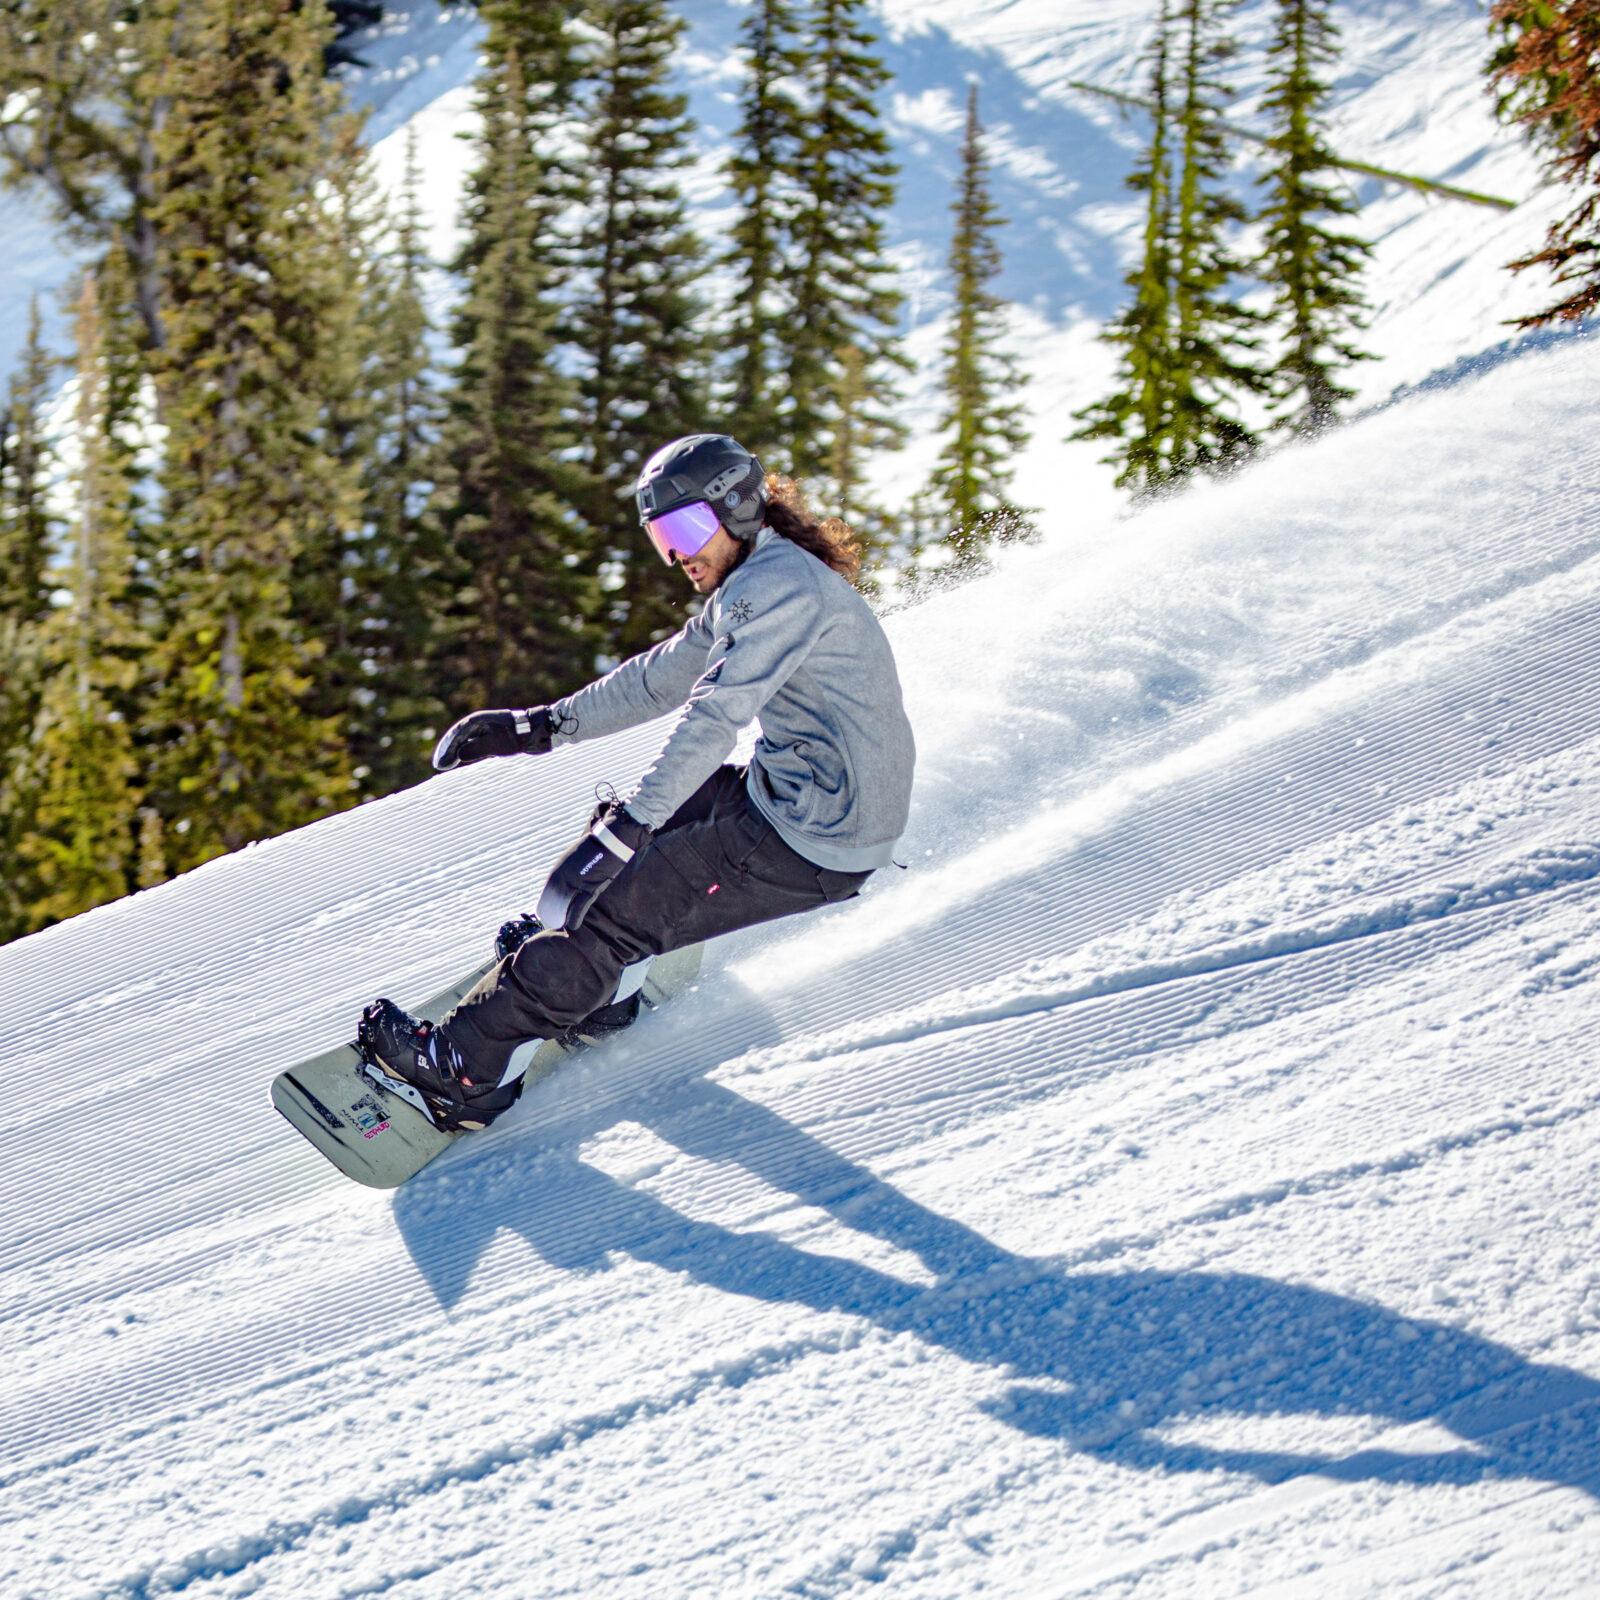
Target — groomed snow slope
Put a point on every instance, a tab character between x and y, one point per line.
1181	1181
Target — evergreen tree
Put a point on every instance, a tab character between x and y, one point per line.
1214	334
26	545
761	173
252	284
636	316
1547	66
1312	269
391	732
982	416
1187	345
1139	414
25	534
511	493
331	588
81	844
86	91
841	291
365	585
855	433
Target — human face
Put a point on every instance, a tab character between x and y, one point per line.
710	564
681	532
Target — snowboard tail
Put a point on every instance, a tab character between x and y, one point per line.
373	1135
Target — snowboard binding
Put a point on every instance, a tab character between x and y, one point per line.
417	1062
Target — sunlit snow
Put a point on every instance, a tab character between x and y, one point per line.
1179	1180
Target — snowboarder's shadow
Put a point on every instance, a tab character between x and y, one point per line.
1120	1363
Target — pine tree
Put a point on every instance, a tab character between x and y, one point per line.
365	585
1139	414
637	315
399	574
27	538
81	844
252	284
511	493
855	434
85	89
1312	270
983	417
1214	334
761	174
840	288
1186	344
1547	66
331	585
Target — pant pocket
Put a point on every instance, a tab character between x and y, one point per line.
837	886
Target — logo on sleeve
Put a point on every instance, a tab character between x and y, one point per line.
739	612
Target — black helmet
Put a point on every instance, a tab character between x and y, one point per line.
709	467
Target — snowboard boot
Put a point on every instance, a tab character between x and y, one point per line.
516	933
428	1070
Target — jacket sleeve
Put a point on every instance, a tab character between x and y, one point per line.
644	687
763	631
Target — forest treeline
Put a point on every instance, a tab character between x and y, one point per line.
290	529
1208	372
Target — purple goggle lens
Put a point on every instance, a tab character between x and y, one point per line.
684	532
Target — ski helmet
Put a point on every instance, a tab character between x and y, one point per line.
707	467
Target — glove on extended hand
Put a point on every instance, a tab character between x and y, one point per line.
613	840
494	733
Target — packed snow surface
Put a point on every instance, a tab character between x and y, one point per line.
1179	1181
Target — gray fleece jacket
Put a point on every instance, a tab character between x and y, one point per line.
785	639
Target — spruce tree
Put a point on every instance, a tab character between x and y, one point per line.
81	844
519	622
1138	415
365	584
252	285
25	531
761	173
399	574
1311	268
1547	67
1214	335
1187	345
636	315
840	290
27	539
86	91
981	380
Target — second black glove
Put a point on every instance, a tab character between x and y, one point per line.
613	840
494	733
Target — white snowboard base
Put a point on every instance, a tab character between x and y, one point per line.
373	1135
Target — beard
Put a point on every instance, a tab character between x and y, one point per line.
714	567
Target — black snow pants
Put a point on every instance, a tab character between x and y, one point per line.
717	865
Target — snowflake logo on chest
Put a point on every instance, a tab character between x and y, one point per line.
740	612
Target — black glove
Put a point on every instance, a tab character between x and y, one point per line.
494	733
613	840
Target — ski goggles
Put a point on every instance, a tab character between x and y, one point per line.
683	532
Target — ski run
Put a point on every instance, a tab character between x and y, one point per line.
1180	1180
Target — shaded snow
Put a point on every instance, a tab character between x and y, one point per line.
1180	1181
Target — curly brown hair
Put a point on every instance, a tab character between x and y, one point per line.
829	539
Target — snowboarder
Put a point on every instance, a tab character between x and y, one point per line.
698	848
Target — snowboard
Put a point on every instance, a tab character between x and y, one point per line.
367	1128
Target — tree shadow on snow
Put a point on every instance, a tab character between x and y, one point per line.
1109	1362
